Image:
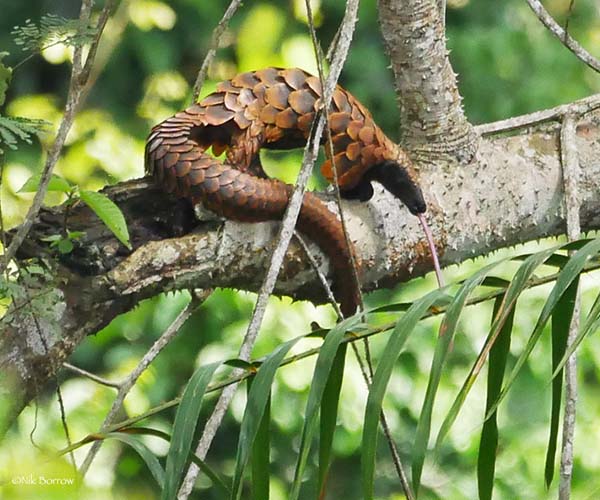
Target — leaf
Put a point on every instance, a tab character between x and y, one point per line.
186	420
398	338
109	213
202	465
56	183
52	29
258	398
514	290
51	238
488	445
591	325
14	128
447	330
261	456
323	367
561	324
65	246
212	475
5	76
329	412
151	461
569	273
240	363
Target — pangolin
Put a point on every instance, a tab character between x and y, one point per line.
274	108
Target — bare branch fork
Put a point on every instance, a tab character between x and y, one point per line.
127	384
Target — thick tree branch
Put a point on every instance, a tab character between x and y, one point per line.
433	122
510	194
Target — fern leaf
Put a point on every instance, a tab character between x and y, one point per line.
13	129
52	29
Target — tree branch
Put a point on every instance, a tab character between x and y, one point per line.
433	122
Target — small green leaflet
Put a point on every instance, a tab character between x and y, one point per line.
109	213
57	183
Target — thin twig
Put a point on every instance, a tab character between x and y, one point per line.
576	108
570	165
79	74
214	45
91	376
126	385
285	235
320	275
569	14
567	40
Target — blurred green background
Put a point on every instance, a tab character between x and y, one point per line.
507	65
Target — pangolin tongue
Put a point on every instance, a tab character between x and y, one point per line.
434	256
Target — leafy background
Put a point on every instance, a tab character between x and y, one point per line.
507	64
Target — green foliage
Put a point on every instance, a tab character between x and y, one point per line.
31	291
108	212
13	129
64	243
329	413
253	421
151	461
325	360
56	183
400	334
561	324
186	420
488	444
52	29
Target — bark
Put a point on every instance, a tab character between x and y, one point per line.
511	193
434	125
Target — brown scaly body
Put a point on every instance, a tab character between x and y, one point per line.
274	108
